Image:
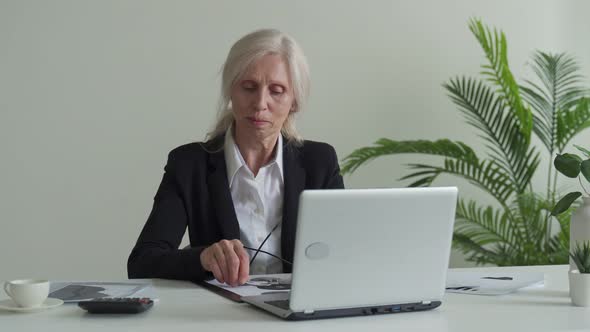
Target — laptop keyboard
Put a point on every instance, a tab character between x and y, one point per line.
283	304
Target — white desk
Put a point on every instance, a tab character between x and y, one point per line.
186	307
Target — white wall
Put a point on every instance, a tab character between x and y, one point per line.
93	95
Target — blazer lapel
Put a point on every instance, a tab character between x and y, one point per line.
294	184
220	195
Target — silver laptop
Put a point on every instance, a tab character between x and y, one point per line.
366	252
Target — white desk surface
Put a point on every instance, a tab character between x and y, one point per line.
184	306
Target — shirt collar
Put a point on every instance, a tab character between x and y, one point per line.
234	160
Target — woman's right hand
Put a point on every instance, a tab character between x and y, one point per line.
228	261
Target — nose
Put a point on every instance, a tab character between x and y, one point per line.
261	100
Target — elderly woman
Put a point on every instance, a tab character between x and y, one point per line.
240	189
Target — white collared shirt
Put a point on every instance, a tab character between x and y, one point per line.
258	202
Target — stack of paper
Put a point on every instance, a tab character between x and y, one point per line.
488	283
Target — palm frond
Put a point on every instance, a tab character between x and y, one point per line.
585	151
572	122
499	128
498	72
485	226
558	248
526	167
475	252
513	237
531	218
485	175
559	89
386	146
532	214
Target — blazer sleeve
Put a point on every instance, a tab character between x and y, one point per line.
156	253
334	178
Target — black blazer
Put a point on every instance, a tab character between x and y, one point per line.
195	192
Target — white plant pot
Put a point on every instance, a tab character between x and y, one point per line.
580	288
579	227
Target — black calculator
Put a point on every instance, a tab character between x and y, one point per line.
117	305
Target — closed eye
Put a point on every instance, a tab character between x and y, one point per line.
276	89
249	86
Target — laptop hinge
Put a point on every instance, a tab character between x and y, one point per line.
308	311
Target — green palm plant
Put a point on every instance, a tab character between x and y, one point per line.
505	114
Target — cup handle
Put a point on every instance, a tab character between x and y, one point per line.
6	284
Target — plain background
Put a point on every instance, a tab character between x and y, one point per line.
94	94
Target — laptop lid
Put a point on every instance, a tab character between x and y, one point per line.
371	247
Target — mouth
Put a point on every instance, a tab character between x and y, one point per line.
256	121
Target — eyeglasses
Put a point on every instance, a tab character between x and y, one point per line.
270	283
265	252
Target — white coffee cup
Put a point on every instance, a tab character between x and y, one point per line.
27	293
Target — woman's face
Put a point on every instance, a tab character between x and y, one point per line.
262	98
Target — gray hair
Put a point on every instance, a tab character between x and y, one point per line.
247	50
